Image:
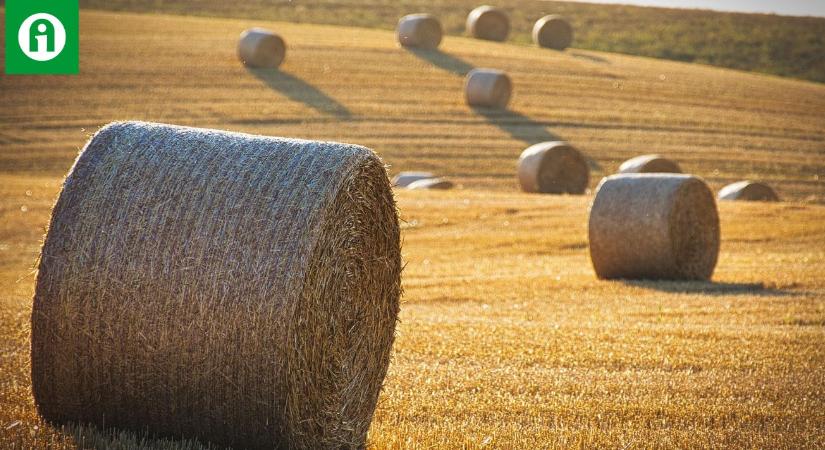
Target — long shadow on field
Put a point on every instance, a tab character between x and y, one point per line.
300	91
442	60
710	288
524	128
588	57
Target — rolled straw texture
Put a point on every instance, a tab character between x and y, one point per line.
238	289
419	30
489	23
654	226
488	88
650	164
553	32
261	48
748	191
553	168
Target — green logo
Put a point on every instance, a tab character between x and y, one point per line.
42	37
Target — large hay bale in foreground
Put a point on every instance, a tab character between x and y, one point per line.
490	23
419	30
488	88
748	191
650	164
431	183
238	289
654	226
553	168
403	179
261	48
553	31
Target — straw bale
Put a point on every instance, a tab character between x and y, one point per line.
488	88
261	48
431	183
748	191
553	168
488	22
553	31
650	164
403	179
419	30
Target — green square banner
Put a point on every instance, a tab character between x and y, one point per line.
42	37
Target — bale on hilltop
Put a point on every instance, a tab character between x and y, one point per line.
650	164
490	88
261	48
238	289
654	226
553	168
553	31
419	30
489	23
748	191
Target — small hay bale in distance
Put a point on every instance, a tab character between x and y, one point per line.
553	31
420	31
403	179
650	164
654	226
237	289
553	168
261	48
489	23
490	88
431	183
748	191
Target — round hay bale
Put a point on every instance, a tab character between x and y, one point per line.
654	226
431	183
238	289
419	30
403	179
490	23
553	168
650	164
748	191
261	48
488	87
553	32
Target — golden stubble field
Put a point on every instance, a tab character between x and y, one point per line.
506	338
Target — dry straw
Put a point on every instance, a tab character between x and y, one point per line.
650	164
748	191
553	168
655	226
403	179
490	23
488	88
431	183
553	32
419	30
261	48
238	289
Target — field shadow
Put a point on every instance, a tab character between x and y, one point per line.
713	288
591	58
442	60
524	128
300	91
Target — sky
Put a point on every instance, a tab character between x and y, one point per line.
785	7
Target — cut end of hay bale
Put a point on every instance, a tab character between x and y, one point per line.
490	88
553	32
261	48
748	191
489	23
237	289
419	30
553	168
403	179
654	226
650	164
431	183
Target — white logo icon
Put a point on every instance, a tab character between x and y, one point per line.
41	37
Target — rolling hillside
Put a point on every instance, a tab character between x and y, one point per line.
506	338
788	46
